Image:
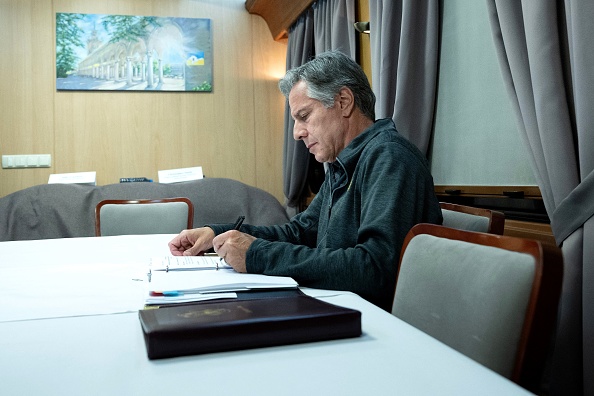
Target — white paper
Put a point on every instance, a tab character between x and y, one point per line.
162	300
89	178
180	175
187	263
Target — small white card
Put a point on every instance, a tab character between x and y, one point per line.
89	178
180	175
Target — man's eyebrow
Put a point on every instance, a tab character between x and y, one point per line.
301	112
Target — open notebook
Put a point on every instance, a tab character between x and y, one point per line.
192	278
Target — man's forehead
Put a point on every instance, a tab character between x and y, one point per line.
299	90
298	99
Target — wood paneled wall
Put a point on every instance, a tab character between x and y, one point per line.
233	132
364	40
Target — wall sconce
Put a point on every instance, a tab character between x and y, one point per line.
362	27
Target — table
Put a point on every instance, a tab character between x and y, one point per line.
78	340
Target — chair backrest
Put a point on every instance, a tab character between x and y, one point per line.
472	219
493	298
143	216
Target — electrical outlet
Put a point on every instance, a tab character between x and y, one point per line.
27	161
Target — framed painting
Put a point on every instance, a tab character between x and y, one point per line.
133	53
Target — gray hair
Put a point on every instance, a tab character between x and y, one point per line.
326	75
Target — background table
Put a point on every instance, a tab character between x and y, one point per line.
99	349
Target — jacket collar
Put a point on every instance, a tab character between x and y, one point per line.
349	157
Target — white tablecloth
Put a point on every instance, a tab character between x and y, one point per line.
69	326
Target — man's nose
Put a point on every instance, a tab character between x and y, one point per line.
299	132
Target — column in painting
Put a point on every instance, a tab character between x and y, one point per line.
149	66
129	71
160	71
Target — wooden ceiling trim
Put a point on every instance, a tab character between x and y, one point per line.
278	14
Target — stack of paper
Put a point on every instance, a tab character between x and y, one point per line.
166	299
183	279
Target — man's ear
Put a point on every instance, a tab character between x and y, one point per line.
346	101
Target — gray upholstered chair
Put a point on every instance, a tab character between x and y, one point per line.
472	219
493	298
144	216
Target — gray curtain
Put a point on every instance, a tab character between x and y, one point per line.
545	53
404	58
327	25
333	21
300	49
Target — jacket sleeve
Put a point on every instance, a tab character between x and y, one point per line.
300	230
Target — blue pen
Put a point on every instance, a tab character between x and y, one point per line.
172	293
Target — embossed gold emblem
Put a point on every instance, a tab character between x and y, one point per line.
204	312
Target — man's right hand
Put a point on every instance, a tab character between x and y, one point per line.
192	242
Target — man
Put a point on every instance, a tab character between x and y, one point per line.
378	185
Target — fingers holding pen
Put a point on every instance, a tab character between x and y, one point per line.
232	246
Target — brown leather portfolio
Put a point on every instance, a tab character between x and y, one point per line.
241	324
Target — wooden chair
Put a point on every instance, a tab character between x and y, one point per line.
143	216
493	298
472	219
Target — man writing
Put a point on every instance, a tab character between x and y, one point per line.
378	185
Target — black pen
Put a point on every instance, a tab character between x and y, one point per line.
236	227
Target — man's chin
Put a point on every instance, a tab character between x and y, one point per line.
319	159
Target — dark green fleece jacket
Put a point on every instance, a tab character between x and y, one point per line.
351	235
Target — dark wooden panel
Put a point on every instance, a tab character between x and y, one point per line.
516	202
278	14
526	229
523	207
